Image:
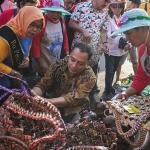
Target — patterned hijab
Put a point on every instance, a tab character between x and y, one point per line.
24	18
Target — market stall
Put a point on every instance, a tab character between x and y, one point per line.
27	121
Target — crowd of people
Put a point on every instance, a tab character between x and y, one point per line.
63	40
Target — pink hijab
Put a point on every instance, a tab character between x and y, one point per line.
7	4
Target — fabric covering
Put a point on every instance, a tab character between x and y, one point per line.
24	18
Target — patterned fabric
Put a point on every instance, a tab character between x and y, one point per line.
91	20
75	91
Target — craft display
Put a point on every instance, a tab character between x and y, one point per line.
134	112
91	130
29	122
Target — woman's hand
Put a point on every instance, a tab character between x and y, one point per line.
16	74
86	36
24	64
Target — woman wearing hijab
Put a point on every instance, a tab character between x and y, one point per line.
135	24
15	41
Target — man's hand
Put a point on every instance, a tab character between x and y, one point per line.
105	48
36	91
86	36
42	70
24	64
58	102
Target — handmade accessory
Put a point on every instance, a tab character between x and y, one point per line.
55	5
134	112
90	132
132	19
27	121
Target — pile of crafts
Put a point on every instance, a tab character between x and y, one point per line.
27	121
133	112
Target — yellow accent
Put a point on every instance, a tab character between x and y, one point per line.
132	109
142	6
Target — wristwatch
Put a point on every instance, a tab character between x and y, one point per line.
15	73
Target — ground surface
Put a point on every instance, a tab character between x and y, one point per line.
126	70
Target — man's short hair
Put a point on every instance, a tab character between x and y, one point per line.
138	2
85	48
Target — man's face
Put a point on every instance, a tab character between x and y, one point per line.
77	61
69	3
99	4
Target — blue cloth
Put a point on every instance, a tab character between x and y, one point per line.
25	43
4	81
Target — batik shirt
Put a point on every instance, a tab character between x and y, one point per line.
91	20
75	91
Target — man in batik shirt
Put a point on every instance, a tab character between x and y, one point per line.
90	23
70	80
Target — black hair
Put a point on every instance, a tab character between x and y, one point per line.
1	2
111	13
138	2
26	1
85	48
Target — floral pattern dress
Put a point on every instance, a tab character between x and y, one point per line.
93	21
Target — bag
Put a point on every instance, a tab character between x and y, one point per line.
134	112
122	43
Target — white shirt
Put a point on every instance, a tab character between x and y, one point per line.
113	42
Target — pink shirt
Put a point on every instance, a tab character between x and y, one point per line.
7	4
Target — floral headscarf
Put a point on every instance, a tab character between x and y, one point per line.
24	18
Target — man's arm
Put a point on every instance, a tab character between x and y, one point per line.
38	91
75	26
58	102
104	35
47	81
